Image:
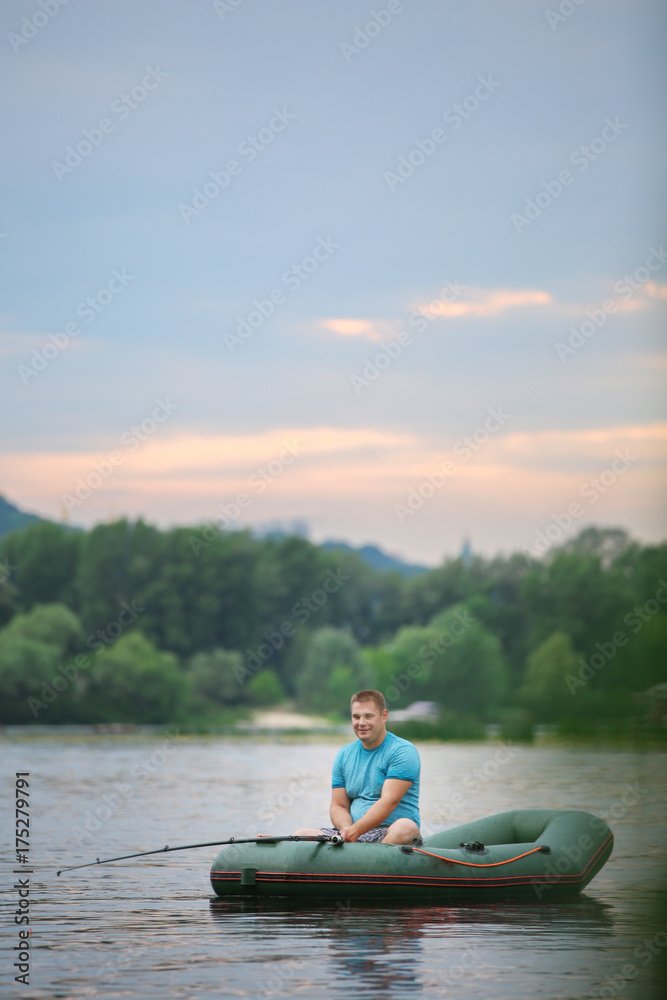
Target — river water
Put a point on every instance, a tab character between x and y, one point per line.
152	928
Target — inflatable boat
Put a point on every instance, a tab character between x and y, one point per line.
530	854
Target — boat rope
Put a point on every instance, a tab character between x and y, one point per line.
473	864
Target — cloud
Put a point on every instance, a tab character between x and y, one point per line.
354	328
505	485
488	303
20	345
475	302
485	302
577	447
185	477
195	467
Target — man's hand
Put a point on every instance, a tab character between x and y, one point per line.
350	834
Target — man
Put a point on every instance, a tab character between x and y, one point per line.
375	797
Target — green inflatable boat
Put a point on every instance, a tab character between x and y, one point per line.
538	854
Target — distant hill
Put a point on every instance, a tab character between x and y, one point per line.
377	559
371	554
11	518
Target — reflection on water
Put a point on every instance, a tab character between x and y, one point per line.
150	927
384	948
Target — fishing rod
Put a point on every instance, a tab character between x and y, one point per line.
322	839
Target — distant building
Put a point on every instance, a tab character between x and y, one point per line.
283	529
418	711
466	552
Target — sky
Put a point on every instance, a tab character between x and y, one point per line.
394	270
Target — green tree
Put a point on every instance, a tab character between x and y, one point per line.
118	563
44	558
217	676
32	648
454	661
265	688
204	598
403	668
430	593
132	681
574	593
53	624
638	664
545	689
333	669
609	545
26	665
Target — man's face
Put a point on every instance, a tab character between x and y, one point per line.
368	723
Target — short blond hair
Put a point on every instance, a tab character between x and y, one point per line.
370	695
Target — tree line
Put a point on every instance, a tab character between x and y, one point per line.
128	623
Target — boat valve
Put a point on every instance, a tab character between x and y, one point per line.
474	847
545	849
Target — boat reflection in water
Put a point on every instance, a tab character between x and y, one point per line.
403	950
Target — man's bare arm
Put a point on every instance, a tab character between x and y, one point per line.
340	809
393	791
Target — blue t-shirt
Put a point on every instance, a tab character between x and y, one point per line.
362	774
